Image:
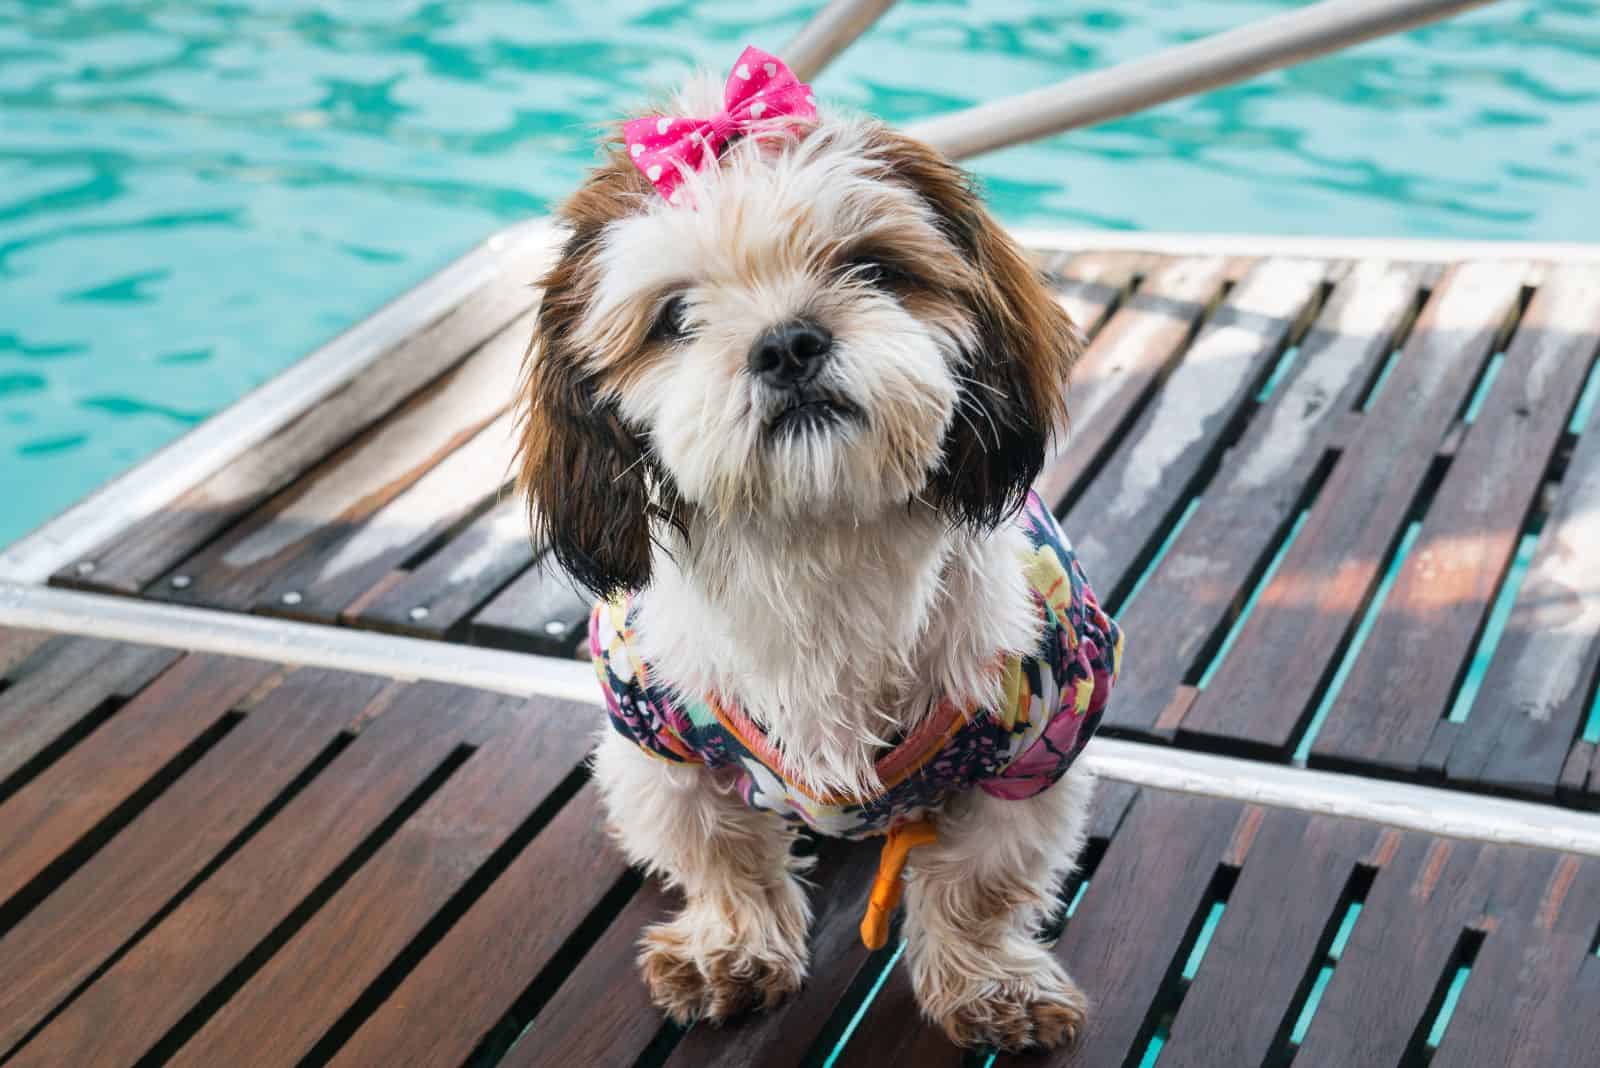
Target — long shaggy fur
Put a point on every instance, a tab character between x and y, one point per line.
835	577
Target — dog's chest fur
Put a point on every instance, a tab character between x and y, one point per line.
837	638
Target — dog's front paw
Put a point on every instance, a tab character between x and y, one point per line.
699	975
1043	1009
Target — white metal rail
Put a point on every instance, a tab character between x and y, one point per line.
1419	808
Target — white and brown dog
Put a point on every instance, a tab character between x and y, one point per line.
784	417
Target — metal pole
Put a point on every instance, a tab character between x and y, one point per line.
1191	68
830	32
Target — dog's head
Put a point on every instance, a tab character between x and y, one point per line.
825	325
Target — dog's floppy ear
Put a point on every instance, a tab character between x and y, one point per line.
1014	393
584	472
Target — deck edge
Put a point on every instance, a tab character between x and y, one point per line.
1419	808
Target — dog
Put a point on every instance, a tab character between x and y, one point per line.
789	386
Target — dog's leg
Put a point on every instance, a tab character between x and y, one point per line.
975	901
740	940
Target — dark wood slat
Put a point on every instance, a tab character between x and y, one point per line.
324	583
1535	698
170	970
1121	512
602	1012
348	488
61	683
1262	692
81	923
16	646
309	983
1145	897
1526	1004
1090	284
1203	579
444	1008
1399	688
1403	944
67	800
153	546
439	595
1122	364
541	612
1282	909
893	1031
781	1038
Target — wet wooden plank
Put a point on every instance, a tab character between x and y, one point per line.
894	1031
1263	690
1535	697
783	1037
166	974
320	972
602	1012
1404	945
352	485
1123	363
321	585
1146	897
437	597
1264	953
541	612
1155	467
1200	585
471	979
70	797
80	924
58	689
1400	686
153	546
1533	998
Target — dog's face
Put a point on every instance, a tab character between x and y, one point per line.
826	325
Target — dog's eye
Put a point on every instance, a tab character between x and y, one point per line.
875	271
669	324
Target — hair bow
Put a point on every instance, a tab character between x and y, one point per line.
760	88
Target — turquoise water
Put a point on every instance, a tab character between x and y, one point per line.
194	194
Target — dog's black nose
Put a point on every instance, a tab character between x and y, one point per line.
788	356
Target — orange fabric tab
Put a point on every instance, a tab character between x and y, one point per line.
889	882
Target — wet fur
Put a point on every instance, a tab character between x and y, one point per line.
834	583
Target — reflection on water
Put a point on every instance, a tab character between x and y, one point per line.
193	194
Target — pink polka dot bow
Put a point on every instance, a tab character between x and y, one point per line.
760	88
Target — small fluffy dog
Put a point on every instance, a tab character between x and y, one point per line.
789	387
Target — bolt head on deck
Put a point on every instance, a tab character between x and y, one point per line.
555	628
85	567
181	582
291	598
418	613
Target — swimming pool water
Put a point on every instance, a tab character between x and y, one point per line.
194	194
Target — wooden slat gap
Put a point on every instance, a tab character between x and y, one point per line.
214	999
58	870
387	981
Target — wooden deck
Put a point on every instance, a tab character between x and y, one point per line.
215	861
1247	431
1347	508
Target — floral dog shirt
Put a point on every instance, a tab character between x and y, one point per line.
1052	700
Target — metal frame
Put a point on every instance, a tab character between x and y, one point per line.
1418	808
829	33
1230	56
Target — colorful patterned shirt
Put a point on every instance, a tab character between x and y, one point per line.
1052	702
